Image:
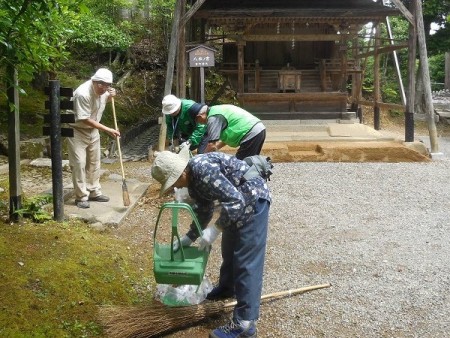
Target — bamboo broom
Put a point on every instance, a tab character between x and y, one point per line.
157	319
125	195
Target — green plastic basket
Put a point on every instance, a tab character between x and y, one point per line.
188	264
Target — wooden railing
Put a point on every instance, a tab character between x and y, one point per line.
334	69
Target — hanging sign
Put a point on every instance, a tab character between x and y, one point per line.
201	56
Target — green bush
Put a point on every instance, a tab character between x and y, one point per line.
33	208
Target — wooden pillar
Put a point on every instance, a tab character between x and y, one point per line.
181	64
412	48
195	84
15	189
240	58
376	81
356	77
344	61
426	78
197	33
170	67
257	76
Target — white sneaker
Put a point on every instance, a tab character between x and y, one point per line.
185	241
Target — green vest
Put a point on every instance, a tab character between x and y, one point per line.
239	123
185	124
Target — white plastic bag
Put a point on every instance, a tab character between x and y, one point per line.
183	295
182	195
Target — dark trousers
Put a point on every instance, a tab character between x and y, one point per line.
202	145
252	146
243	252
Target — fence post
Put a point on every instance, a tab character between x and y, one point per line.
55	132
15	190
447	70
55	143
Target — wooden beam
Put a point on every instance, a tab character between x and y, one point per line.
301	96
407	14
288	37
299	13
383	50
186	17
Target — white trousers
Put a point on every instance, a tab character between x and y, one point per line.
84	160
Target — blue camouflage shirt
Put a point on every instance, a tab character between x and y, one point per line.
218	177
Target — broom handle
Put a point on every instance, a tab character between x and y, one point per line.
286	293
117	138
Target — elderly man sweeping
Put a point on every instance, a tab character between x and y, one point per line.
243	221
90	100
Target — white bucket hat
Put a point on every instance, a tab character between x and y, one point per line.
103	75
168	167
170	104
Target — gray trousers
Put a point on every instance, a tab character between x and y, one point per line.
84	160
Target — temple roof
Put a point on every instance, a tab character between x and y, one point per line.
354	11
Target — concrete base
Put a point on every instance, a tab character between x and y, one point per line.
113	212
437	156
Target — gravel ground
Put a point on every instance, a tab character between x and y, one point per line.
378	232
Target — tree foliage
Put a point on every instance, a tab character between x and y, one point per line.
33	34
97	34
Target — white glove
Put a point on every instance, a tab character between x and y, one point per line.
185	241
185	144
112	91
210	234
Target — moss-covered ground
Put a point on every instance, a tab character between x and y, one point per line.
55	275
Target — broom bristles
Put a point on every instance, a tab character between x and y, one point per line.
125	195
157	319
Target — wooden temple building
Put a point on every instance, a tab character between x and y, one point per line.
287	58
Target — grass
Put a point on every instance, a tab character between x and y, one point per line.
55	275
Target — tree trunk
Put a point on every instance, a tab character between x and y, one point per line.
122	80
116	61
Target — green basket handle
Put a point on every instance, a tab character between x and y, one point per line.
176	207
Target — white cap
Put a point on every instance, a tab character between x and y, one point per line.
170	104
103	75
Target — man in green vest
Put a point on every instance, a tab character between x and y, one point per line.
232	126
182	129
